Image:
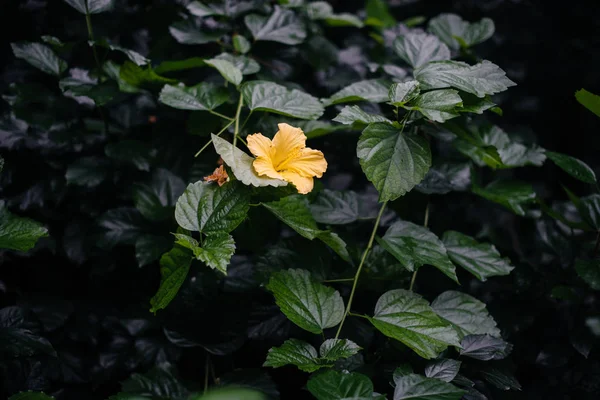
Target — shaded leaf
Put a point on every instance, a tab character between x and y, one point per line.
334	349
588	100
374	90
437	105
335	207
174	267
513	195
186	32
334	385
501	379
91	6
573	166
418	49
468	315
456	32
281	26
155	199
30	396
589	271
203	96
445	178
271	97
415	387
355	115
136	152
18	233
401	93
294	352
485	347
230	72
40	56
444	369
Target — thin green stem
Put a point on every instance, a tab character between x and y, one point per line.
246	119
220	115
88	22
210	141
339	280
206	372
360	266
357	315
425	223
236	130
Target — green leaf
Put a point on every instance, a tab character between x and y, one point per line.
179	65
344	19
222	208
149	248
334	349
121	226
417	387
174	267
137	152
449	27
374	90
137	76
573	166
501	379
18	233
335	207
295	352
113	71
476	105
271	97
512	154
334	385
414	245
480	259
241	164
513	195
480	79
445	178
444	369
470	143
247	65
437	105
241	44
216	251
201	97
377	10
588	100
18	342
407	317
418	49
230	72
134	56
281	26
186	208
401	93
467	314
91	6
485	347
294	212
230	393
392	160
86	90
308	304
589	208
185	32
589	271
30	396
204	10
87	171
351	115
161	382
156	199
40	56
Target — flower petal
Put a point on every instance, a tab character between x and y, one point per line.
264	167
302	183
287	142
259	145
307	162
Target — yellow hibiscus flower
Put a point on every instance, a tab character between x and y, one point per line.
286	157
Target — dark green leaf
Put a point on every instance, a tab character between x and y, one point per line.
444	369
512	154
149	248
334	385
437	105
156	199
30	396
333	207
589	100
87	171
230	72
407	317
185	32
467	314
449	27
281	26
246	65
417	387
271	97
502	380
241	164
379	14
414	245
186	208
294	352
444	178
241	44
589	271
309	304
121	226
355	115
480	259
334	349
418	49
91	6
573	166
485	347
216	251
136	152
40	56
401	93
21	342
589	208
374	90
18	233
174	267
392	160
134	56
137	76
513	195
233	393
160	382
480	79
203	96
222	208
179	65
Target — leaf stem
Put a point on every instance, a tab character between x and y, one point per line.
210	141
362	262
236	130
206	371
220	115
339	280
425	223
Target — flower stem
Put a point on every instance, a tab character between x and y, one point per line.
236	130
210	141
362	262
425	223
220	115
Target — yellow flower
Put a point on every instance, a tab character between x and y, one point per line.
286	157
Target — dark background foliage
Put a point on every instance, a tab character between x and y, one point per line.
92	305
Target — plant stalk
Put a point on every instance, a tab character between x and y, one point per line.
210	141
360	266
425	223
236	129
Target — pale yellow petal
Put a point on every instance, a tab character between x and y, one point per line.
259	145
302	183
286	143
308	162
264	167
